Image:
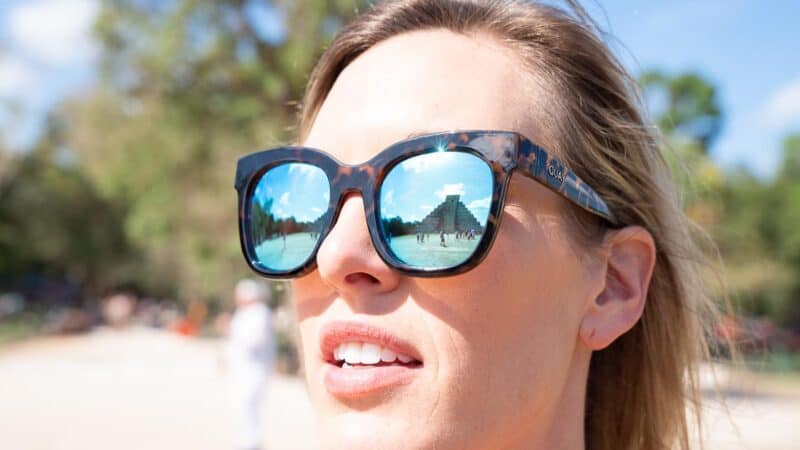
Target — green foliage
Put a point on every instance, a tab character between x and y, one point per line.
53	222
754	222
262	219
691	106
760	239
187	87
395	226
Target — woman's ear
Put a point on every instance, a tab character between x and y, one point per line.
628	259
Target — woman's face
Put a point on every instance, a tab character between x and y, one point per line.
500	360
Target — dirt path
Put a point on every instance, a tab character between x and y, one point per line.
138	389
142	389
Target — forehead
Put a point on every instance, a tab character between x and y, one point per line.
424	81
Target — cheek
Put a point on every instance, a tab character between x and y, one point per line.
529	285
311	298
513	320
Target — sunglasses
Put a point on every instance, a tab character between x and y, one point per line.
433	203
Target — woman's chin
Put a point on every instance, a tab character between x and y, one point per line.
369	408
366	430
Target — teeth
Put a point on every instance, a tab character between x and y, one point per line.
337	353
352	352
388	355
370	354
366	353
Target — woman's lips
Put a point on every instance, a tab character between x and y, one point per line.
346	380
359	381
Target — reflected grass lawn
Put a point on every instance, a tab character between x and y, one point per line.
430	253
278	254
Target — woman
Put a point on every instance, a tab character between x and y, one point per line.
571	321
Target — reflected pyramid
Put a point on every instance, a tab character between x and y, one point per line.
450	216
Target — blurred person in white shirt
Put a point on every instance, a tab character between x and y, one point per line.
250	354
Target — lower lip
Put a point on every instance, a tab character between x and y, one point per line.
359	381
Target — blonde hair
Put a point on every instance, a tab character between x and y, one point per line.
642	390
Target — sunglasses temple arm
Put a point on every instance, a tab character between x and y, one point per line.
536	163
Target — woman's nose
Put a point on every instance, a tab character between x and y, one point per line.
347	260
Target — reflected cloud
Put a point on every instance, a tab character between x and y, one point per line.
303	169
483	203
782	109
428	162
389	198
450	189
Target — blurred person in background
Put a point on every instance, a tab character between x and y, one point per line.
249	354
118	309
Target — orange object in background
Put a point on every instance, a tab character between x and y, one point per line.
189	325
185	327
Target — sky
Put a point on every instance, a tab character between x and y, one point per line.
46	55
749	49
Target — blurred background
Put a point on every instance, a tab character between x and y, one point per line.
120	125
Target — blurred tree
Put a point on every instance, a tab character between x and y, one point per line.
760	238
686	109
686	104
187	87
787	186
45	201
753	221
790	168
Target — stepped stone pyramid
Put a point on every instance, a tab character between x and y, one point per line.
450	216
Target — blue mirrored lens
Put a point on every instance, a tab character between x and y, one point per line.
287	211
434	208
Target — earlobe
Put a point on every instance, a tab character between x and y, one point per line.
629	261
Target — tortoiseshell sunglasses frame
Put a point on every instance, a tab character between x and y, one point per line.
503	151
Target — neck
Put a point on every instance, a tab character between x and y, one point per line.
560	426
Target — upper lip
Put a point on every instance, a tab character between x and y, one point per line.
339	332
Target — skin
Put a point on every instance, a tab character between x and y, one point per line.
506	346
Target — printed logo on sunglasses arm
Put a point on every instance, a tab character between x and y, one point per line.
556	173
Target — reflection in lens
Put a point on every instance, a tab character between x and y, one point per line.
287	211
434	208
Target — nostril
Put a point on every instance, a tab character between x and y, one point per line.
358	277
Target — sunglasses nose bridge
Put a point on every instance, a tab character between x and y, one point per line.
354	179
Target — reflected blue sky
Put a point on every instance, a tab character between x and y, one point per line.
417	185
299	190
